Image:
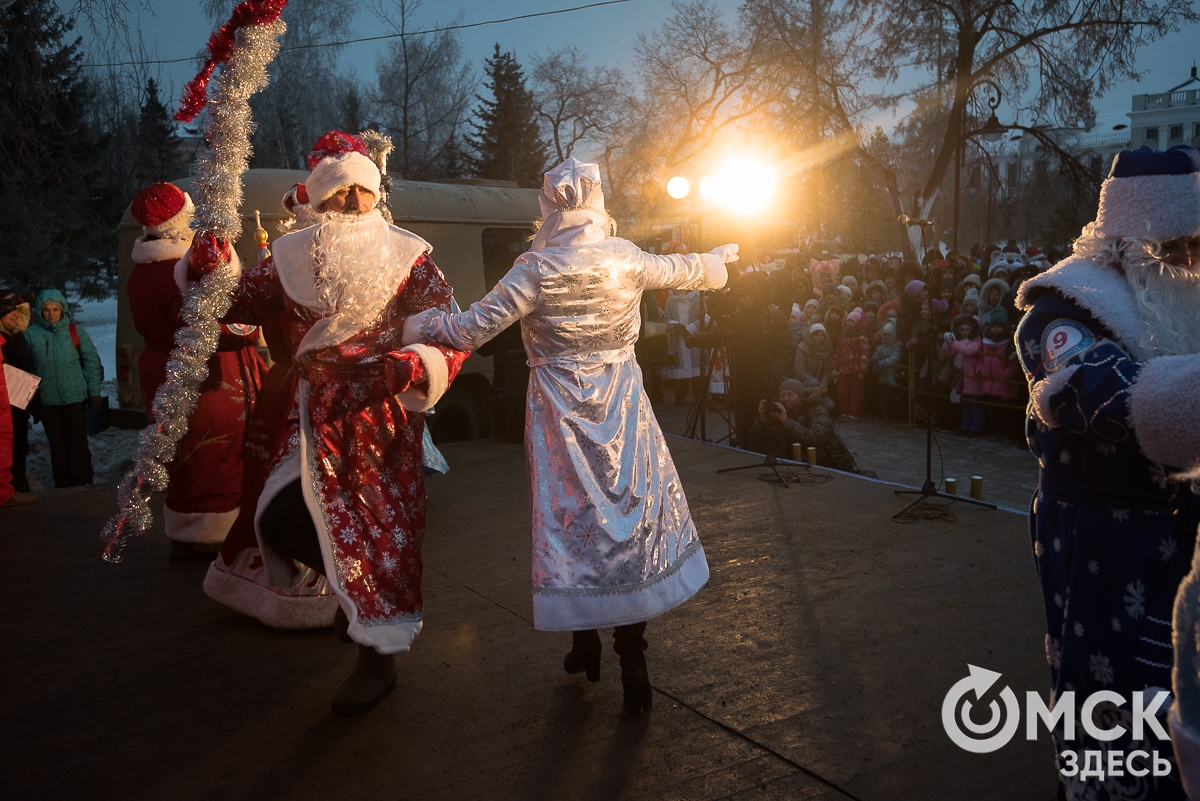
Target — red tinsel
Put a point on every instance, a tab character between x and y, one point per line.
220	46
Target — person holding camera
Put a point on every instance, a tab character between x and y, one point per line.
798	416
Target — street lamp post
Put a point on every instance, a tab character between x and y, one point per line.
992	130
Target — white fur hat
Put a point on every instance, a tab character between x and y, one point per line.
339	160
1151	194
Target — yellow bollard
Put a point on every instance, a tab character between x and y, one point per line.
951	486
810	455
977	487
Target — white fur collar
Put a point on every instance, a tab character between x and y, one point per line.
294	264
148	251
1100	290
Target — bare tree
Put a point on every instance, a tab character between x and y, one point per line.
698	77
423	94
1055	56
577	105
305	97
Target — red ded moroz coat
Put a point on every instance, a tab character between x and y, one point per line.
206	475
354	444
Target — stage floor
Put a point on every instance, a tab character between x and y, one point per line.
813	665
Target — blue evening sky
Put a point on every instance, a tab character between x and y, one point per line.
177	28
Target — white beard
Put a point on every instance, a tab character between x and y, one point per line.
1169	301
357	270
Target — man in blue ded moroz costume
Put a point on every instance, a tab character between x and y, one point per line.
1111	346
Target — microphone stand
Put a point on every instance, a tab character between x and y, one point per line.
929	489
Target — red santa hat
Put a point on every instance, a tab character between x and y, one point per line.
1151	194
164	211
339	160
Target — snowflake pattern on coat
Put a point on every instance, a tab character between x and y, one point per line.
365	452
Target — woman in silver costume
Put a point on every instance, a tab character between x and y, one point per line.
613	540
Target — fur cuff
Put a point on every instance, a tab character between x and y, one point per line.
434	362
181	270
718	273
1042	391
148	251
1164	405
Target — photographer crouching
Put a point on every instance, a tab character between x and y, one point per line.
798	415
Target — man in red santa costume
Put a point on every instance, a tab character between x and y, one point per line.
238	577
206	476
345	493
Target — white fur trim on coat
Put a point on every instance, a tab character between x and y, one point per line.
438	374
334	173
207	528
244	589
1042	391
1100	290
181	270
1160	207
1164	405
718	273
148	251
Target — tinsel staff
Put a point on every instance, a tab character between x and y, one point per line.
242	48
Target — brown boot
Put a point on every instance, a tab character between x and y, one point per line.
374	676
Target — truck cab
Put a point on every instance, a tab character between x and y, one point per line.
477	229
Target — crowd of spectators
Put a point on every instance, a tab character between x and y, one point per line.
859	335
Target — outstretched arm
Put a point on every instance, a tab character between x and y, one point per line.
514	297
688	271
420	372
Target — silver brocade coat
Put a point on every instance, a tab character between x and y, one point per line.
613	540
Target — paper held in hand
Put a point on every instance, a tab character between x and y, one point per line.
21	386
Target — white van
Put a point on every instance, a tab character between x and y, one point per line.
477	229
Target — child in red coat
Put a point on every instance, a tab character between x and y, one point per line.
851	359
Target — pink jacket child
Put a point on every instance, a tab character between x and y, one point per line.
965	341
851	359
998	367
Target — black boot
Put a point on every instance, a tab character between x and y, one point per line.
584	654
341	625
630	644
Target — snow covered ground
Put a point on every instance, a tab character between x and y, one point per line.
112	450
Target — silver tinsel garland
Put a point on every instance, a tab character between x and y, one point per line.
217	191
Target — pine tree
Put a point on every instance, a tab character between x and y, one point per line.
159	156
48	155
508	144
